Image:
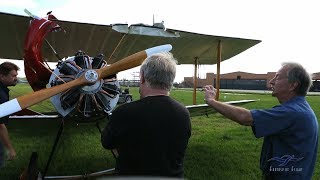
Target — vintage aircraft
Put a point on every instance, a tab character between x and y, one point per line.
86	87
115	42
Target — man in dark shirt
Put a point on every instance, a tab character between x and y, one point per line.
151	134
290	130
8	77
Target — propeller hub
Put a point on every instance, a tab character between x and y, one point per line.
92	89
91	75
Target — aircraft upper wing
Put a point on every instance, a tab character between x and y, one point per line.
96	39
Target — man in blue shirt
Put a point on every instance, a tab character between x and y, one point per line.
8	77
290	130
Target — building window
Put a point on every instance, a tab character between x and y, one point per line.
238	77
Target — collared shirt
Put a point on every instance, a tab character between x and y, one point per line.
290	132
4	97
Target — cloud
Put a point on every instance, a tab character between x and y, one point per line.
17	4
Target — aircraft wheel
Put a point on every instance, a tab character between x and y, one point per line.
128	99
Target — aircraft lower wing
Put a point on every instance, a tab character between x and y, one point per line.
34	117
195	110
205	109
30	114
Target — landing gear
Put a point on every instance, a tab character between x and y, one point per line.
32	172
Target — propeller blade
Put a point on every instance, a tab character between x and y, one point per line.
30	99
131	61
33	98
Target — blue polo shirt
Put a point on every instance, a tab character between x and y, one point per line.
4	97
290	132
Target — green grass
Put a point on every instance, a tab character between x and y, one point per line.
218	147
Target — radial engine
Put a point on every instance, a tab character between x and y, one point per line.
93	100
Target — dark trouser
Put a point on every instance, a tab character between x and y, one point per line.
2	155
283	177
268	177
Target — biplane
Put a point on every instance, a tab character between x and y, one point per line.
84	85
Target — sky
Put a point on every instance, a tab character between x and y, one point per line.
289	29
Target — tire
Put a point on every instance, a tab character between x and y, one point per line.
128	99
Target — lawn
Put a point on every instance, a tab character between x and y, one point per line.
218	148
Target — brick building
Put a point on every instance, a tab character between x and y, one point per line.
242	80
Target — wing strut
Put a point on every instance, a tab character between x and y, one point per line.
124	35
217	78
219	49
195	78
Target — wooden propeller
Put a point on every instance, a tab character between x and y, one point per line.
89	77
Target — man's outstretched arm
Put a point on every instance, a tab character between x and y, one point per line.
238	114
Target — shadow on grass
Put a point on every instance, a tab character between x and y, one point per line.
226	151
207	162
79	149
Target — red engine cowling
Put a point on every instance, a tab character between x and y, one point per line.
36	71
95	100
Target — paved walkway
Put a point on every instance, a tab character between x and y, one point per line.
258	91
244	91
